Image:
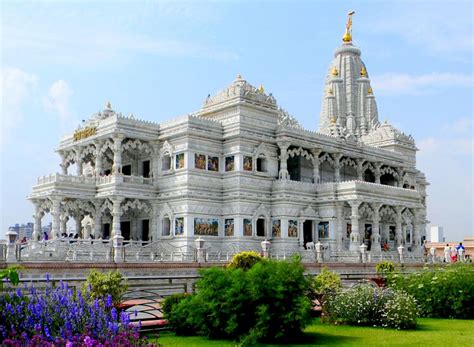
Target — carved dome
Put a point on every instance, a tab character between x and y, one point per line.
386	134
241	91
348	101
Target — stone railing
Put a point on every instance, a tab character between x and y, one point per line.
56	177
357	185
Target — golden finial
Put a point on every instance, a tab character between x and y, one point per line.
260	89
333	120
370	91
334	71
347	38
329	91
239	76
363	71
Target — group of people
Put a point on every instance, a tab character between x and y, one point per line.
454	253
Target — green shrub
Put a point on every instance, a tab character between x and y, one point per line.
372	306
326	284
446	292
266	302
400	311
10	273
244	260
102	284
385	268
169	302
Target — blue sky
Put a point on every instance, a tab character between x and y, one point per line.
61	61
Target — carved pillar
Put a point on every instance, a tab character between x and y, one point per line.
398	227
116	212
337	167
37	217
78	220
400	176
63	226
300	233
154	222
117	167
416	228
98	158
283	174
316	176
355	236
340	225
155	159
134	227
360	169
78	163
377	172
375	238
56	214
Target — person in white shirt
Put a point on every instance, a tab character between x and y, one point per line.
447	254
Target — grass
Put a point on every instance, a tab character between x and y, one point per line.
430	332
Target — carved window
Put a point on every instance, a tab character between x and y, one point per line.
179	161
276	228
247	227
146	168
248	163
127	170
292	228
166	162
200	161
229	227
229	163
179	226
145	230
261	227
262	164
166	226
212	163
369	176
323	230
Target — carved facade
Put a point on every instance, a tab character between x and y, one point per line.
241	170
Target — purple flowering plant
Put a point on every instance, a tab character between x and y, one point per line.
61	316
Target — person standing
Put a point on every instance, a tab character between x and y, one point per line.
460	250
447	253
454	254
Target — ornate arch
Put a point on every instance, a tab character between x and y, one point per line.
135	205
106	205
136	144
326	157
90	149
365	210
368	166
166	149
309	212
261	211
108	144
348	162
389	170
388	214
166	211
300	152
408	217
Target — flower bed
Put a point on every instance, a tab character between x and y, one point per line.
60	316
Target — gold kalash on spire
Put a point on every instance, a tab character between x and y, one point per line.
347	38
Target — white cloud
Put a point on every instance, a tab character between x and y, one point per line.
419	84
447	160
17	88
58	101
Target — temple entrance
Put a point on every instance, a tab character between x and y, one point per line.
368	235
307	232
106	231
125	229
260	227
145	230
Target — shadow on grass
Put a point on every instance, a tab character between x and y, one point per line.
314	339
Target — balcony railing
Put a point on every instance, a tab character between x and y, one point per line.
59	178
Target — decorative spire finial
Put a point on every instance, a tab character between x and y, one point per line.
108	105
260	89
239	76
370	91
347	38
334	71
363	71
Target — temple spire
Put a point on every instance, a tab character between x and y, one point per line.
347	38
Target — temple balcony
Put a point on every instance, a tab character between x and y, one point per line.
90	187
368	191
70	186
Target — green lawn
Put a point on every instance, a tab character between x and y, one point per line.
430	332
